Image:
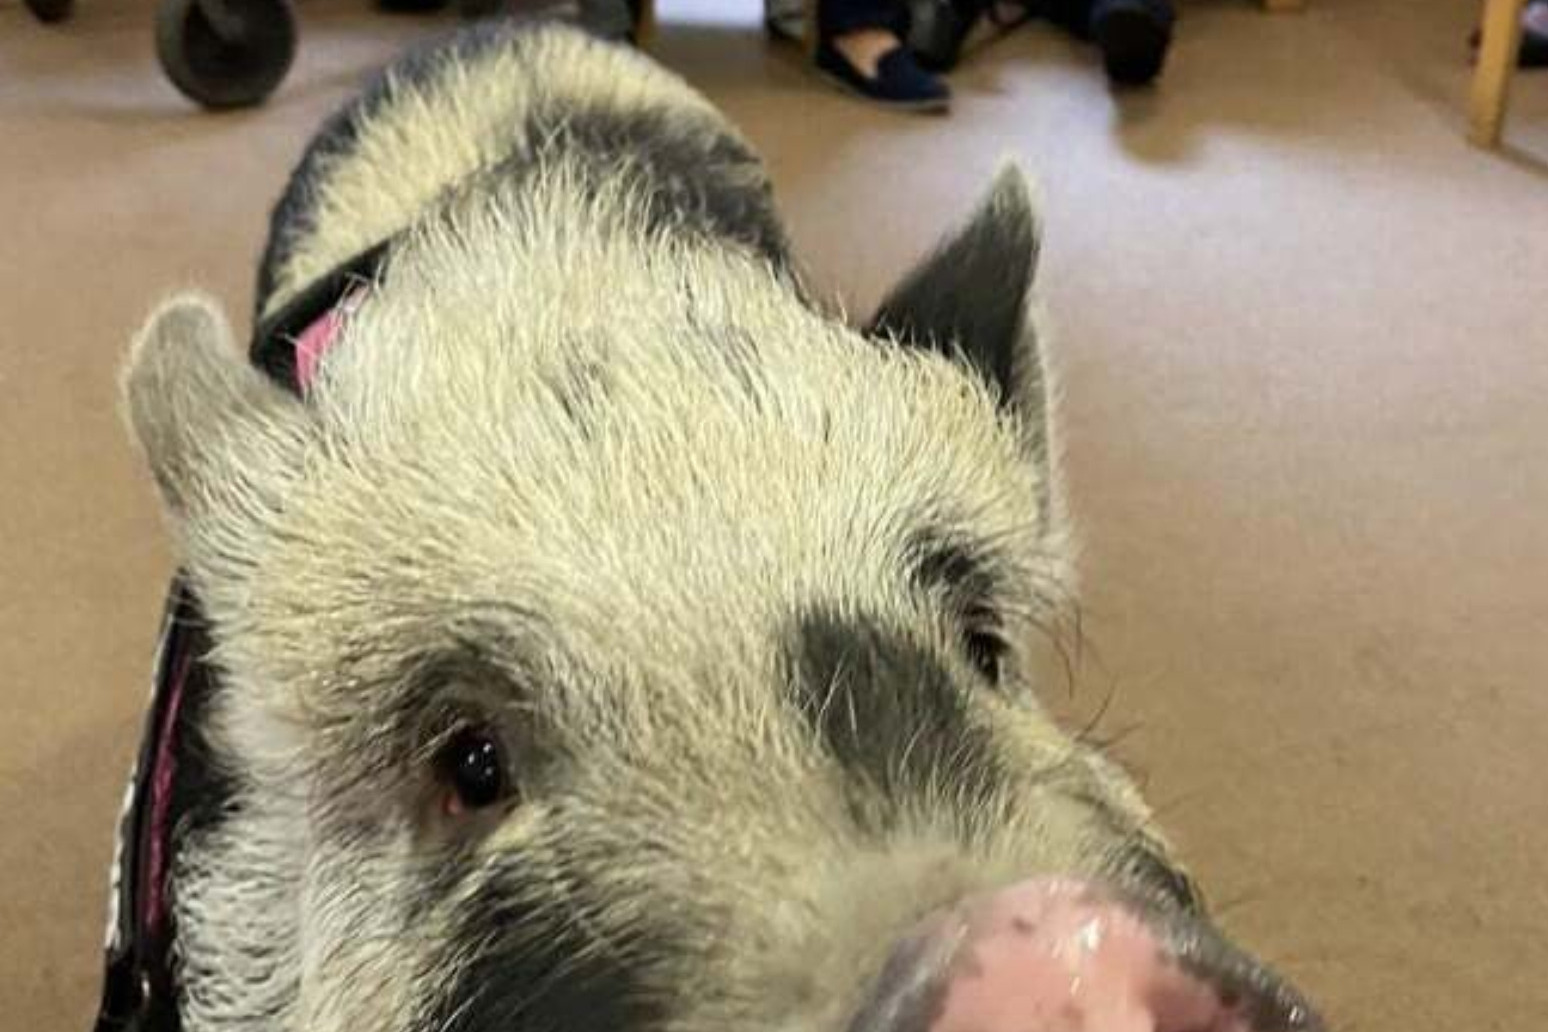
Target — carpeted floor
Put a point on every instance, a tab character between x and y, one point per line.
1304	340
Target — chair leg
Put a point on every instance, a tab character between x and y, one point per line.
1497	52
645	24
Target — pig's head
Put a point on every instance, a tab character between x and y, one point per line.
609	642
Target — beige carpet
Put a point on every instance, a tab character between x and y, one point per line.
1305	344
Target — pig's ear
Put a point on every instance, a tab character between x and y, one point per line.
970	298
221	439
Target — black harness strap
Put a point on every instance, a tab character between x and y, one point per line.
273	346
172	778
138	992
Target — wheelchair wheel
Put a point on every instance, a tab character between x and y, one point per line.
225	53
410	6
50	11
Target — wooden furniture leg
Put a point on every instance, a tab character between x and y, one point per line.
1284	5
645	26
1496	60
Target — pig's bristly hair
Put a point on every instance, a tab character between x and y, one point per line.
587	456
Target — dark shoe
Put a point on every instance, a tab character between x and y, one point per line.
1134	36
899	82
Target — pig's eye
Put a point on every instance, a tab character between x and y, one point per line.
472	767
986	651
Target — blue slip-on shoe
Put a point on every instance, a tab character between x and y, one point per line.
899	82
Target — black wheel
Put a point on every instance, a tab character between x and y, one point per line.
50	11
410	6
225	53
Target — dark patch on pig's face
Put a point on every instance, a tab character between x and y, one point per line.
535	967
961	574
942	561
377	715
890	713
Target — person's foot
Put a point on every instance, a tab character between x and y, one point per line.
1133	36
874	64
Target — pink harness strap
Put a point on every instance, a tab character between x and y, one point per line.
163	770
316	339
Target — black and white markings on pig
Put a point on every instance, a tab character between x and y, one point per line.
534	969
293	217
970	297
946	561
690	174
961	571
891	715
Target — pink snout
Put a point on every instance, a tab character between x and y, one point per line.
1056	955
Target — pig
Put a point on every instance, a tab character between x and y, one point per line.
602	634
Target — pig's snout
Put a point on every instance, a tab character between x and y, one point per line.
1072	956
